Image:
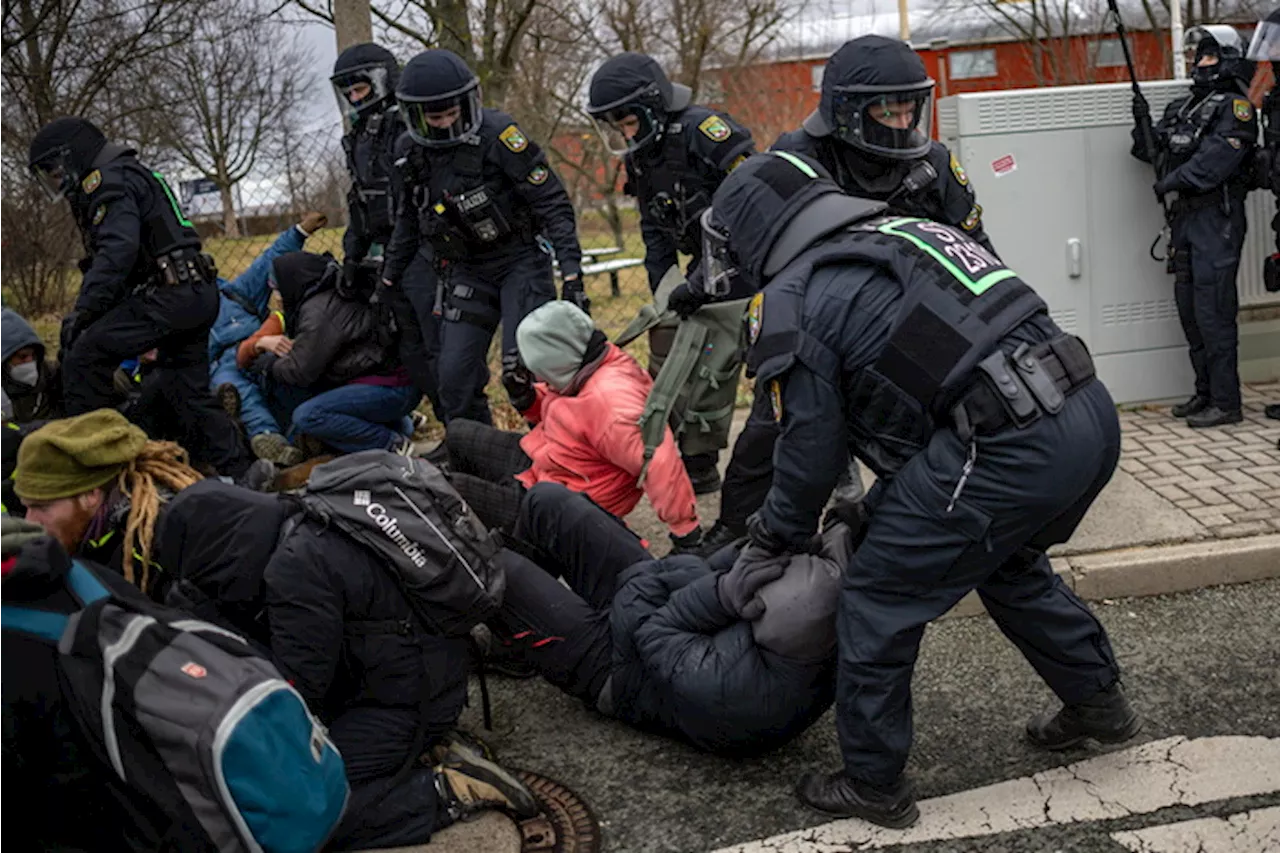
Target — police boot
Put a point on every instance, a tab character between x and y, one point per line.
719	536
1191	406
1213	416
468	783
842	796
1106	717
1272	411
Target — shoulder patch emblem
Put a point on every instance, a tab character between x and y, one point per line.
755	311
958	171
971	221
775	399
1242	109
714	128
514	139
538	175
91	182
100	214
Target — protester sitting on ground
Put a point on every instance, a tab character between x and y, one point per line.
583	397
343	633
242	309
336	376
64	795
99	485
30	381
732	662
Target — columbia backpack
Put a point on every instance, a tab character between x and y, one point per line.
404	509
189	716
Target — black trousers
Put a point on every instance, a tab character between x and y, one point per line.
419	345
177	403
485	461
564	632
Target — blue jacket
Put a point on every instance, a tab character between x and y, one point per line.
235	321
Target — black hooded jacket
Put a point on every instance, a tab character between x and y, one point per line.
335	340
39	402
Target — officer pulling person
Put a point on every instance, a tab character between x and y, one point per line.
908	343
483	196
364	81
146	286
1204	148
676	154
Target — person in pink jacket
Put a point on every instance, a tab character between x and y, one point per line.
583	398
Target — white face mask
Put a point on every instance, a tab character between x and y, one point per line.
27	374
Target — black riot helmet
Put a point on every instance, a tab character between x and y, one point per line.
630	100
439	99
768	211
1227	68
63	152
1265	44
877	98
364	79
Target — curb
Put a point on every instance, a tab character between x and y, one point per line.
1158	570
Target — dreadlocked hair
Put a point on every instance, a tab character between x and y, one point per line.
161	463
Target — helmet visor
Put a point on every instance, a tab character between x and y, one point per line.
895	124
358	89
719	266
443	121
54	174
1265	44
627	128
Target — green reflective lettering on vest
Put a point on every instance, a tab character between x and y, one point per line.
977	287
177	211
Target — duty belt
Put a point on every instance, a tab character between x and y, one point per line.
183	266
1018	389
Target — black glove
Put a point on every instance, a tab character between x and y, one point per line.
1161	189
684	301
518	380
1141	111
572	291
17	532
262	363
349	286
72	326
689	542
755	567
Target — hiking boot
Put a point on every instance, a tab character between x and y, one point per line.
705	481
839	795
260	475
462	742
1192	406
1212	417
469	783
719	536
274	447
229	399
1106	717
1272	411
500	656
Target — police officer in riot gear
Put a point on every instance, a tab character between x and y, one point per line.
871	132
146	285
483	196
982	420
364	81
1204	149
1265	47
676	154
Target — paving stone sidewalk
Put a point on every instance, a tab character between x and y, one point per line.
1227	478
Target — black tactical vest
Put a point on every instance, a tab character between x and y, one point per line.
466	208
1193	118
371	174
669	190
165	229
958	303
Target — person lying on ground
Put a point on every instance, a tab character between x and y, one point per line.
341	630
242	308
335	377
583	397
732	662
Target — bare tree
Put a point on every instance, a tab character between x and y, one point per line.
225	91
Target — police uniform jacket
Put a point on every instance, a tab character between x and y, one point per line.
1204	147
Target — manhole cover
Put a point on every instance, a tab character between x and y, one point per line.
566	824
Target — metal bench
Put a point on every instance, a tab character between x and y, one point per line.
611	267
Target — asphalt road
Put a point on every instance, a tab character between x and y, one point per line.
1198	665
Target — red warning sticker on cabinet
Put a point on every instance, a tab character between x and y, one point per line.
1004	165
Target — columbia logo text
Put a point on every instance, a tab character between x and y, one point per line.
391	527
